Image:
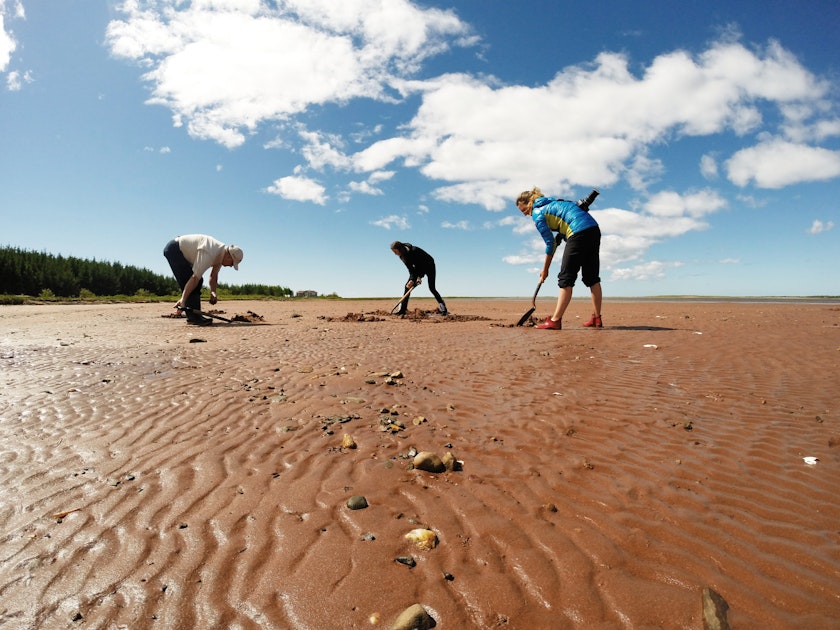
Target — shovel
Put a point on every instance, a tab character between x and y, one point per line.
407	293
525	317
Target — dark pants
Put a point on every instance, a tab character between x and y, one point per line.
182	269
430	279
582	253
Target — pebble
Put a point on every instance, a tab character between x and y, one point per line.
414	618
357	502
428	461
423	538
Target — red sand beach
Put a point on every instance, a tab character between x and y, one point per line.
159	475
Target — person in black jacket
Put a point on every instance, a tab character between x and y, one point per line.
419	264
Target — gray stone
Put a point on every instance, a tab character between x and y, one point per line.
357	502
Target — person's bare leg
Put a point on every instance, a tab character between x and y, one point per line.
563	301
596	298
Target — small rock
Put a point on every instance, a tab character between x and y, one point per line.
347	441
714	611
357	502
429	462
407	561
449	461
414	618
423	538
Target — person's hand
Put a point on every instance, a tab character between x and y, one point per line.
213	298
543	276
178	306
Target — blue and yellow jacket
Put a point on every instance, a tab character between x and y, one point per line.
557	215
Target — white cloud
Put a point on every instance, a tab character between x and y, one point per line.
365	188
15	80
299	188
696	204
225	67
653	270
460	225
708	166
777	163
8	45
818	227
395	221
465	135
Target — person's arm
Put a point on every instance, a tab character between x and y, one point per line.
546	265
214	282
550	244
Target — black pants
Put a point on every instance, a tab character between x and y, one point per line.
430	278
182	269
582	253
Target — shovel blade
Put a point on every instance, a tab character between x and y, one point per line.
525	317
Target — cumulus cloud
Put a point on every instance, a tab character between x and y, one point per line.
818	227
459	225
465	135
15	80
708	166
778	163
231	69
365	188
225	67
392	221
299	188
653	270
8	45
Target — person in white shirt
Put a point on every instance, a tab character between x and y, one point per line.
190	256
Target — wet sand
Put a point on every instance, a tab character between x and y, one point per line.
159	475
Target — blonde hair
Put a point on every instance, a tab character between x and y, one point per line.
528	196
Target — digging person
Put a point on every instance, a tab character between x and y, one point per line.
419	264
190	256
576	226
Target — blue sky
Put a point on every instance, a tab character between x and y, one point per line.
313	133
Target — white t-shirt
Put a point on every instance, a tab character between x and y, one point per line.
201	250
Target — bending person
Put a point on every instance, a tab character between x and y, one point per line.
581	254
419	264
189	257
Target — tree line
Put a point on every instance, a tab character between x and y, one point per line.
33	274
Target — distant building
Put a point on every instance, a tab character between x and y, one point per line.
309	293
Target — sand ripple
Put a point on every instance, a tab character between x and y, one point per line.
608	476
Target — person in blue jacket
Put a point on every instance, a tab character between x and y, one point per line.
581	254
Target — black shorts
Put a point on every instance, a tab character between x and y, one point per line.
582	253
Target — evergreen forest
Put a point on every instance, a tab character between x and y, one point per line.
38	274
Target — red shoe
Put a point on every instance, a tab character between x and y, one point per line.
550	324
594	322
